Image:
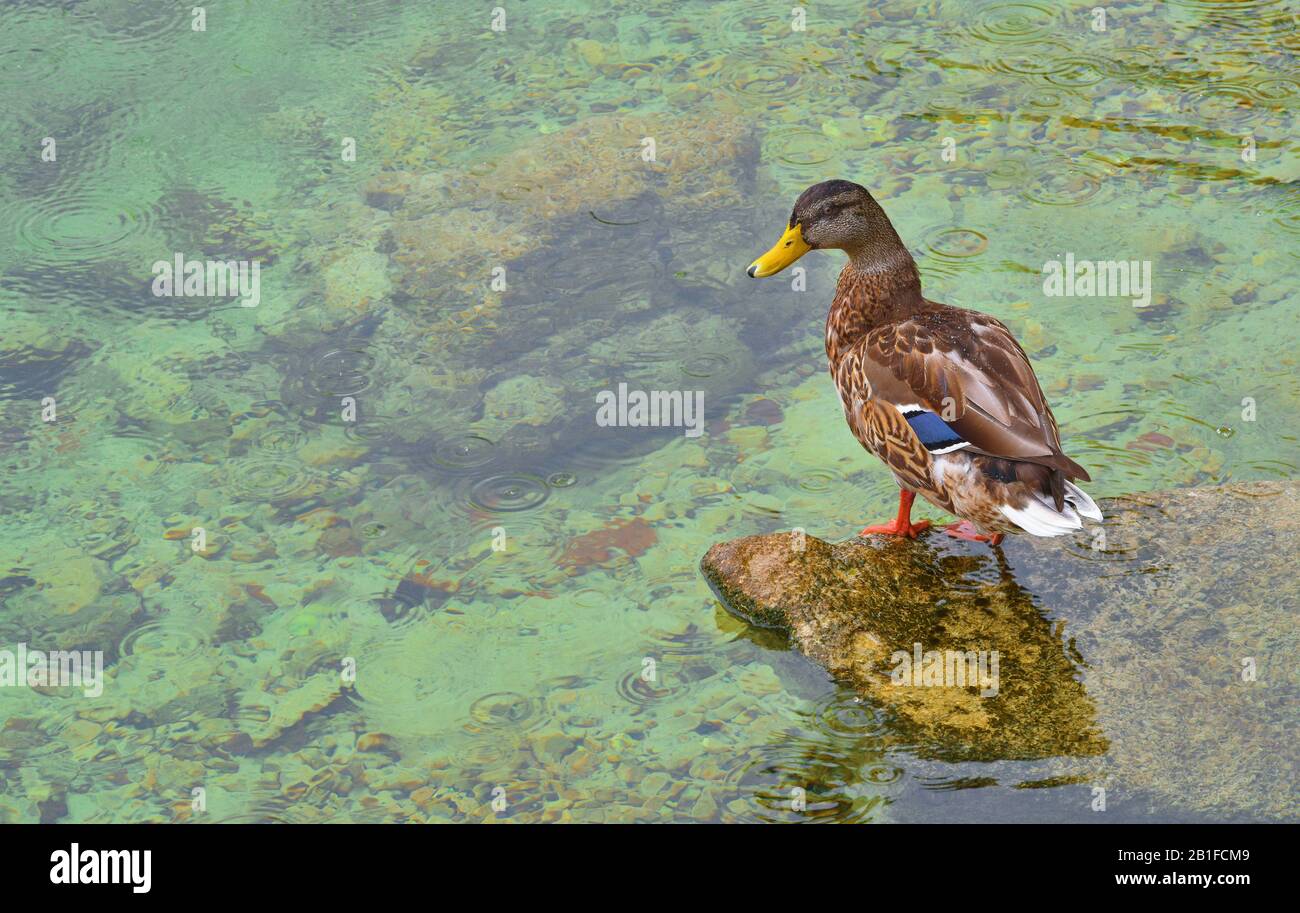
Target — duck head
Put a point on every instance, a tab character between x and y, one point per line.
833	214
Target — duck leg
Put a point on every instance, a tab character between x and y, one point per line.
901	525
966	530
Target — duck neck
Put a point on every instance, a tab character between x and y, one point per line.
878	285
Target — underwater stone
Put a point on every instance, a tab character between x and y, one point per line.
448	237
24	331
707	156
53	598
356	280
523	398
1127	650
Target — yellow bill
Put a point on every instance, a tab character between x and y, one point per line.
789	249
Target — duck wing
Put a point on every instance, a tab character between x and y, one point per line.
960	379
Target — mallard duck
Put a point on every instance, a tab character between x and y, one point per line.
945	396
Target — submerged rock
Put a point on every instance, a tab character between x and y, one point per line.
61	598
1159	645
449	232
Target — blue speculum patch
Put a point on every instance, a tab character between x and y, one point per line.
934	432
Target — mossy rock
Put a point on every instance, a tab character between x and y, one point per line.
1123	652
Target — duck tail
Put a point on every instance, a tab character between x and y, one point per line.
1039	515
1070	469
1079	499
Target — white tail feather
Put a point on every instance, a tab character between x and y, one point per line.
1082	503
1040	517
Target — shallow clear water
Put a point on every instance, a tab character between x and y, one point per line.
998	136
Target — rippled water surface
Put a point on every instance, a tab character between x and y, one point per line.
394	457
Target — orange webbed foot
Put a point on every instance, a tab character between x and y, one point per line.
901	525
966	530
894	528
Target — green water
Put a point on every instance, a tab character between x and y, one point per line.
367	544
